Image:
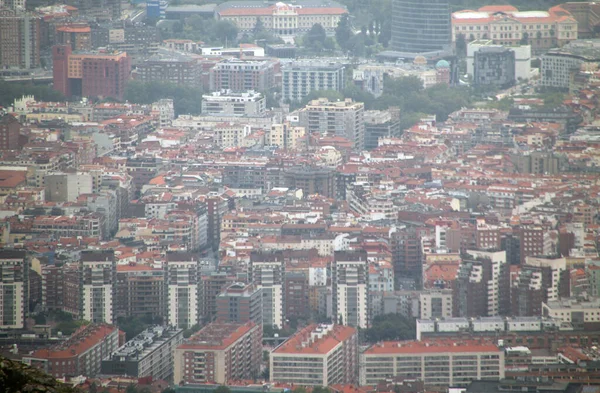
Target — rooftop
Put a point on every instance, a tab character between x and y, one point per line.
434	346
80	342
316	339
217	336
144	343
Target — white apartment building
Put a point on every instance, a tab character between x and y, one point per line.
349	279
301	78
66	187
522	57
341	118
182	276
166	112
557	266
99	275
230	134
267	273
14	267
228	103
498	259
573	311
441	363
318	355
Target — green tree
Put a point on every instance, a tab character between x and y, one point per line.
315	39
225	31
524	39
222	389
461	45
553	99
186	99
390	327
343	32
188	332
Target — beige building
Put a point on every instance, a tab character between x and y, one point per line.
219	353
282	19
506	25
443	362
286	136
318	355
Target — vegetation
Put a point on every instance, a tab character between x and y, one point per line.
222	389
186	100
16	377
132	326
390	327
11	90
187	333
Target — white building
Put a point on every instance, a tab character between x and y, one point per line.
99	275
443	362
267	272
13	280
318	355
350	288
498	282
522	57
228	103
166	112
182	276
66	187
573	311
301	78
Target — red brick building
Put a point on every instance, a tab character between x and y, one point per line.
90	74
9	132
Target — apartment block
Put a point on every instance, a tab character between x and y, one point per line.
99	276
239	303
67	187
83	74
182	277
149	354
228	103
20	37
285	136
317	355
341	118
243	75
211	285
14	292
302	78
80	354
219	353
9	132
140	291
436	363
267	271
494	66
435	304
578	313
349	278
380	124
177	69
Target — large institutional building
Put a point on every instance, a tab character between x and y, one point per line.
420	26
443	362
506	25
280	18
318	355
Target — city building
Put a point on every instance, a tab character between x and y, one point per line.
99	276
156	9
285	136
443	362
494	66
301	78
77	35
171	67
20	39
239	303
340	118
243	75
522	53
149	354
141	292
219	353
14	288
13	4
349	278
420	26
267	271
85	74
228	103
482	285
9	132
435	304
211	286
380	124
506	25
558	66
311	180
182	277
67	186
285	20
578	313
317	355
80	354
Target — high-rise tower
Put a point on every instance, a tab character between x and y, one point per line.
420	26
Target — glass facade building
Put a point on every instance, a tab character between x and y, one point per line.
420	26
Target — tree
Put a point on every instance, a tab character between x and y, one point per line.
314	40
225	31
390	327
524	39
188	332
186	99
343	32
461	45
553	99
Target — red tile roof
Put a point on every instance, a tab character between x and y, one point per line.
301	342
431	346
